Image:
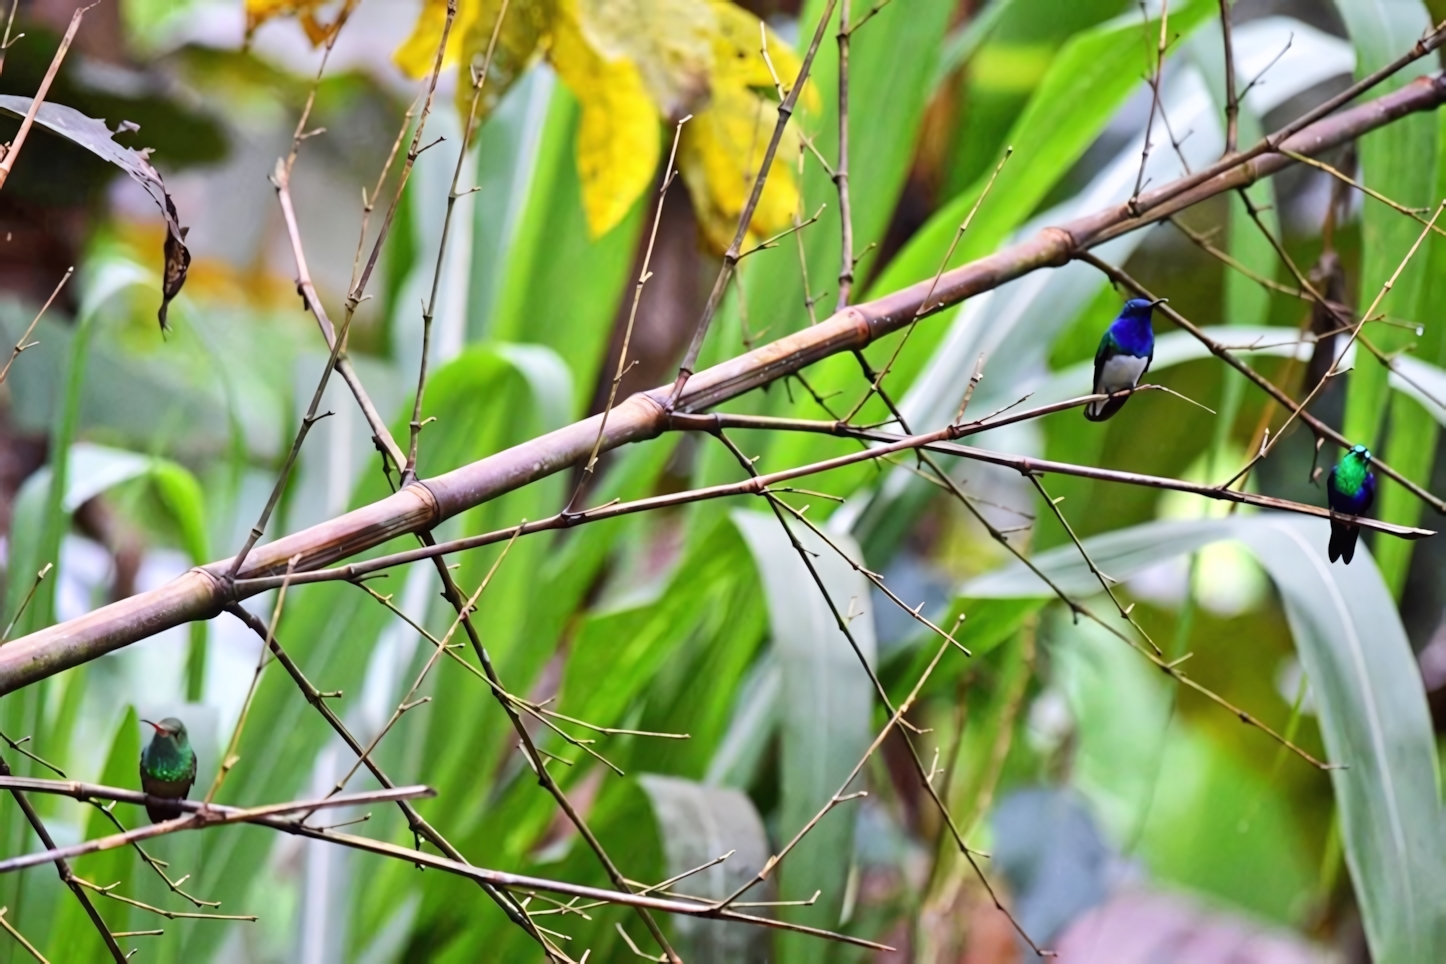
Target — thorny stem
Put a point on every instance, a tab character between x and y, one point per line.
29	597
745	217
1154	98
937	441
198	815
12	150
415	822
407	702
158	866
24	341
924	307
669	173
1355	331
410	471
354	295
231	759
842	622
454	598
1232	105
9	23
1104	580
269	816
29	947
109	891
63	868
841	170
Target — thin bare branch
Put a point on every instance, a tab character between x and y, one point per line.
25	341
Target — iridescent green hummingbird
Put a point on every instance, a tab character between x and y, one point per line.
168	767
1350	490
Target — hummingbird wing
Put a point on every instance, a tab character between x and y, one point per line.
1097	411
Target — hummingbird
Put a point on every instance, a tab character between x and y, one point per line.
1123	357
168	767
1350	489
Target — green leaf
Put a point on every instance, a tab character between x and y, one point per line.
1411	448
826	711
1368	695
1086	84
561	288
72	934
92	470
484	400
698	824
1200	816
1401	162
1014	44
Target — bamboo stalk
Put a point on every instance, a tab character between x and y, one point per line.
202	593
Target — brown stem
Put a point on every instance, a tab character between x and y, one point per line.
12	150
1232	105
264	816
63	867
409	472
841	170
745	217
415	822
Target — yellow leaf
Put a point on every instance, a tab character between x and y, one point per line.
260	11
617	138
722	149
738	55
669	41
418	53
523	29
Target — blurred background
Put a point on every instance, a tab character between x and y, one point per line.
1127	818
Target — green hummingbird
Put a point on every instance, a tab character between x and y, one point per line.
168	767
1350	490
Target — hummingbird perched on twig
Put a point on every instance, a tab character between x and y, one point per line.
1350	490
168	767
1124	355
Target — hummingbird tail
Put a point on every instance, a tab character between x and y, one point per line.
160	812
1343	542
1099	411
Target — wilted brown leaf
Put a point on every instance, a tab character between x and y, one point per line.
94	136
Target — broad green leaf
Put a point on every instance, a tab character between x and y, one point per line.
1368	696
698	824
561	287
703	622
1400	161
1199	816
1086	84
1014	43
1411	447
484	401
826	712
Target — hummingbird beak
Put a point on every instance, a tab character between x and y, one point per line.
1159	301
158	728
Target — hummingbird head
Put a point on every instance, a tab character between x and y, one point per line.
1141	307
1361	452
170	730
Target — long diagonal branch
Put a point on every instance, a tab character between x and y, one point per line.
420	507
